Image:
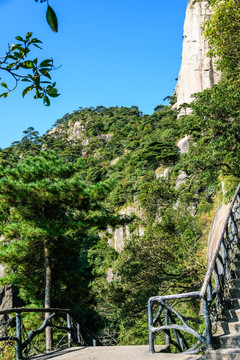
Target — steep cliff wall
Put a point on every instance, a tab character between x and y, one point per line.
198	71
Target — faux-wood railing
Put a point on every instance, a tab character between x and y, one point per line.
76	331
214	299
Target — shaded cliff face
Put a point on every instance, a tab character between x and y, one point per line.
198	71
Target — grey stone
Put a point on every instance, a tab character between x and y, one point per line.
184	144
160	173
105	137
198	71
119	239
114	161
181	179
77	131
215	229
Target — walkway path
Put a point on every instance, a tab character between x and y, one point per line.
113	353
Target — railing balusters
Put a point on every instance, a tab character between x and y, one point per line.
207	321
224	252
150	324
220	267
69	332
181	342
78	334
19	335
23	345
216	274
158	314
209	292
177	334
218	285
167	335
238	198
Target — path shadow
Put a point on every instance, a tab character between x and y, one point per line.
55	354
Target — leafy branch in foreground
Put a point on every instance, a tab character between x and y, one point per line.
16	64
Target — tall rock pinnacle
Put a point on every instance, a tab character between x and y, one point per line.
198	71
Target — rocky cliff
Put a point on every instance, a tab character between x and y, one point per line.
198	71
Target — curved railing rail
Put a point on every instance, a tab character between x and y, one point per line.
77	333
214	293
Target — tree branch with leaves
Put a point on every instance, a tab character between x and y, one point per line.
17	65
20	68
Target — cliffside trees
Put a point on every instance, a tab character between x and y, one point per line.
215	122
49	220
222	31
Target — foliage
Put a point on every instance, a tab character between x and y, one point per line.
8	351
214	127
46	205
222	31
137	155
17	64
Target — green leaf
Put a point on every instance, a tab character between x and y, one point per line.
26	64
27	89
35	40
53	92
4	85
45	72
29	34
19	38
46	100
47	62
12	57
48	76
52	19
37	46
26	80
11	65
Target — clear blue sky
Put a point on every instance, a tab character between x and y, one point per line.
111	52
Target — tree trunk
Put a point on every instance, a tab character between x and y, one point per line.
48	296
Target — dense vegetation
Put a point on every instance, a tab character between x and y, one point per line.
125	150
125	163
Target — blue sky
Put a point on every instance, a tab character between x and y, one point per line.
111	52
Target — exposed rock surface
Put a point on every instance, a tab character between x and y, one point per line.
198	72
216	228
77	131
105	137
7	297
122	233
163	173
184	144
114	161
181	179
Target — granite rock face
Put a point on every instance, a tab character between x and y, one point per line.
198	71
216	228
184	144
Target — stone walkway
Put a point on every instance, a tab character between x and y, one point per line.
113	353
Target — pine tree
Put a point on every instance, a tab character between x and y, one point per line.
46	212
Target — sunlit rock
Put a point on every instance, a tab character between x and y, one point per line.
198	71
184	144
